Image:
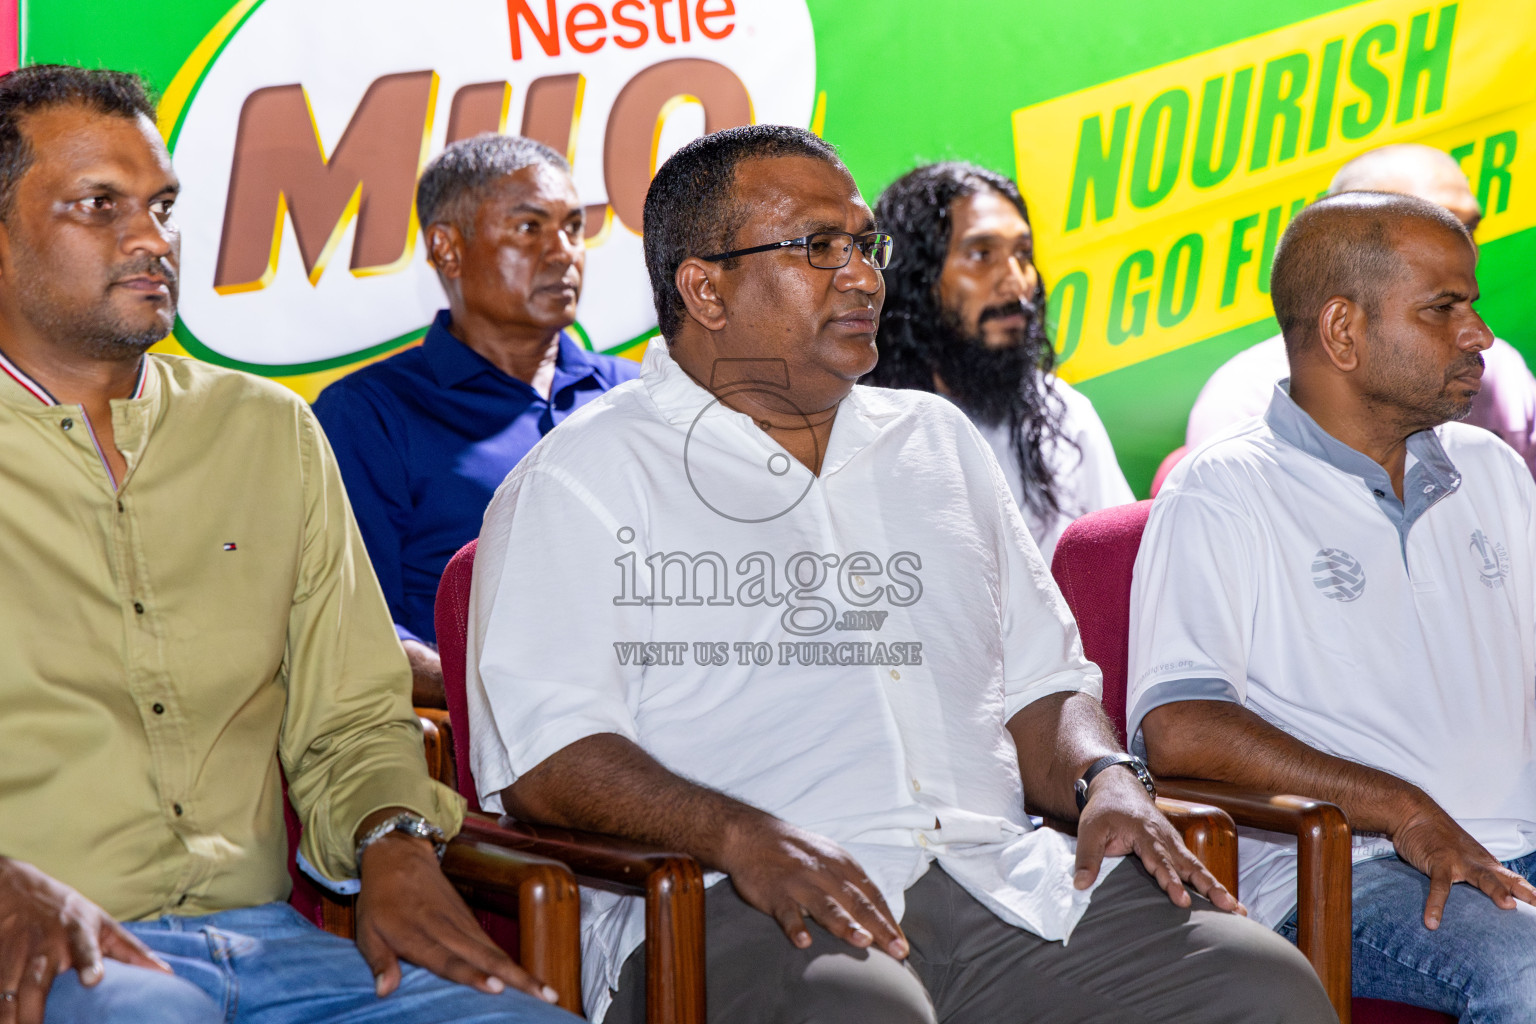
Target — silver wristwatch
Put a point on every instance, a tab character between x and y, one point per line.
411	825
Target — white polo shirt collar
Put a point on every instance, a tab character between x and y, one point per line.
1430	476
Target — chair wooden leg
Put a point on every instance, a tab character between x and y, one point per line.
549	927
1324	875
339	914
541	893
674	943
1323	872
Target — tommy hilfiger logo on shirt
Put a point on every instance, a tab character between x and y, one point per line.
1492	560
1337	574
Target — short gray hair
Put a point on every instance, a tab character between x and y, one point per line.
454	184
1345	244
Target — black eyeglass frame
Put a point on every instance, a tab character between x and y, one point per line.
859	243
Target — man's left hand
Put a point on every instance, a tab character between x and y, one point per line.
1121	819
408	910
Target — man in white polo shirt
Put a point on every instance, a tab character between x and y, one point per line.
1339	600
798	629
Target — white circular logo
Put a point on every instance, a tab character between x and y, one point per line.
1337	574
300	145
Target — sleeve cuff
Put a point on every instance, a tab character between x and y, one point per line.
330	855
344	887
1071	681
404	634
1172	691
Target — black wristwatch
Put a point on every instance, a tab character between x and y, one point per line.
1131	761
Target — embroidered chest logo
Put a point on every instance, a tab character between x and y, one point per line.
1337	574
1491	558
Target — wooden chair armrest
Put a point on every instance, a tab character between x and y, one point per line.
539	892
673	887
1209	833
1323	870
437	742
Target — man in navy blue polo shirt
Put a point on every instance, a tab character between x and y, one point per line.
425	437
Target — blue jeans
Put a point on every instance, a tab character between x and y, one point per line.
1479	965
267	965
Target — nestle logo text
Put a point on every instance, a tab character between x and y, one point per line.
587	27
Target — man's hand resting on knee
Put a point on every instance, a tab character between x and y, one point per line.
788	873
1057	737
1121	820
1431	841
408	910
47	928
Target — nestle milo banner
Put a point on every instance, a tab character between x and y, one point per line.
1162	147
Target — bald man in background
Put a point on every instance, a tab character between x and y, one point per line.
1244	384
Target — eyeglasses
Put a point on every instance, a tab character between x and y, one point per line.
826	250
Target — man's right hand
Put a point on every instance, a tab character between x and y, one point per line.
1431	841
787	873
46	928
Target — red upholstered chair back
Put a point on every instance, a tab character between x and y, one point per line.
1092	566
451	616
305	897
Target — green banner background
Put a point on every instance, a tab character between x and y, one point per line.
909	81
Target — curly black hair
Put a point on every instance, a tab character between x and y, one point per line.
914	327
40	86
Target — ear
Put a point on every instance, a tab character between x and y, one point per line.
445	249
1341	329
697	281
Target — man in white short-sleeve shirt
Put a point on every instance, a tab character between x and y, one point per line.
965	317
744	609
1339	600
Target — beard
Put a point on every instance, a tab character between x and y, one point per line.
988	382
1400	381
99	331
1455	404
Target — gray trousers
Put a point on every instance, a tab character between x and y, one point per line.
1134	957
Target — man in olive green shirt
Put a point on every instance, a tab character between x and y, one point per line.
187	616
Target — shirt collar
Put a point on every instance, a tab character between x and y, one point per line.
29	392
678	397
682	401
453	362
1430	477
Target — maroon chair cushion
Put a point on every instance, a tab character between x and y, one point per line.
1379	1011
305	897
451	616
1092	566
